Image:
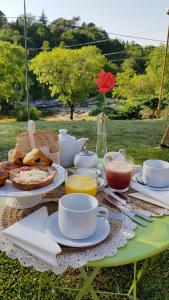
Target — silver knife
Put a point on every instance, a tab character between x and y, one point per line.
131	216
123	202
141	215
124	211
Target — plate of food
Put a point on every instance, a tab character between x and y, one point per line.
31	174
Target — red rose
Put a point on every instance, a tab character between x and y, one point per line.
105	82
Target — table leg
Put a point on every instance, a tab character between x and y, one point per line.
137	276
87	287
40	286
135	281
91	290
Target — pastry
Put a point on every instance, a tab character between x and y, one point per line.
17	157
3	176
37	158
30	178
8	165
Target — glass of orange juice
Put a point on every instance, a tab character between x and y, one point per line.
81	184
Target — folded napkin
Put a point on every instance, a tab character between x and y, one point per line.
29	235
161	197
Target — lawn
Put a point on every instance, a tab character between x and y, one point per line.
141	140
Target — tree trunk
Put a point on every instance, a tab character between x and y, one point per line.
71	111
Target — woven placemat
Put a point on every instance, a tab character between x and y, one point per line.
9	216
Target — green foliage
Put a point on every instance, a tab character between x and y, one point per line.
165	113
43	18
22	114
125	112
11	72
137	68
3	19
137	55
131	85
95	110
69	73
141	107
123	84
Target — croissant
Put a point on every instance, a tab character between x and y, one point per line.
37	158
17	157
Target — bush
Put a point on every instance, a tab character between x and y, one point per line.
22	115
95	111
165	113
142	108
128	111
148	113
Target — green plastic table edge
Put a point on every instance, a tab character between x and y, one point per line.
148	242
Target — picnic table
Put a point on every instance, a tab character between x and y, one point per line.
147	244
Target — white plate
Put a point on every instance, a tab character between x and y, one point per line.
8	190
137	177
52	229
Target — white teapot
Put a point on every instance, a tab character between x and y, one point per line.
69	146
86	159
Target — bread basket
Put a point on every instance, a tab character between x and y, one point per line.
46	140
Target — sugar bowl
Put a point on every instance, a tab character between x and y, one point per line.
86	159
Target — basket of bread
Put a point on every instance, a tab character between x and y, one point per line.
29	165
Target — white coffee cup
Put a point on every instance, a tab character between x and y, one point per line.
156	173
77	215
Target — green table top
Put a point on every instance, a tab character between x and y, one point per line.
148	241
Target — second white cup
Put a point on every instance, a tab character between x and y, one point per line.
156	173
77	215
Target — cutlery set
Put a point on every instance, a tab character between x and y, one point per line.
119	200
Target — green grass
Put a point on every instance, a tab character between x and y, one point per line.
141	140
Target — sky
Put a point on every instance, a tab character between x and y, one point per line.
142	18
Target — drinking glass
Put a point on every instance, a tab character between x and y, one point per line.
81	184
118	171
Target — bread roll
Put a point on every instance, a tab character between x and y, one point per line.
17	157
37	158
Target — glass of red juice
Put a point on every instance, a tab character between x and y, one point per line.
118	172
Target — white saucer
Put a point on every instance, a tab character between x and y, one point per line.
137	177
52	229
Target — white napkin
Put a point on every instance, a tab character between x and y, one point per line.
147	199
161	196
29	235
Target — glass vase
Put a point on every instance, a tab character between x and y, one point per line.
101	146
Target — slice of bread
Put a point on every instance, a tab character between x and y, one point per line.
37	158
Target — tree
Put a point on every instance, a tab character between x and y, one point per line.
69	73
11	73
3	19
10	35
87	33
123	84
43	19
131	85
136	52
